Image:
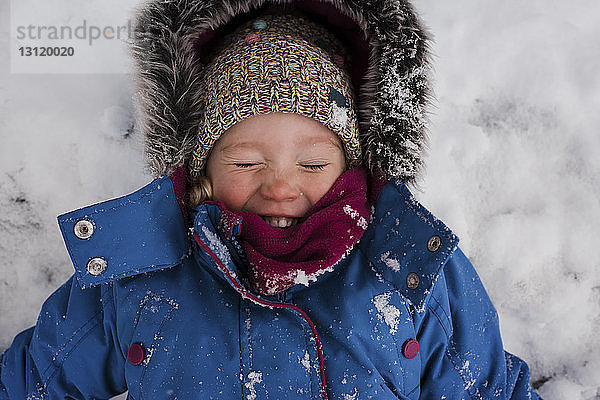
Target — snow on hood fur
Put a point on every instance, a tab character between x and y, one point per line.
391	66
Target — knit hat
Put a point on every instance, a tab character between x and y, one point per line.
277	63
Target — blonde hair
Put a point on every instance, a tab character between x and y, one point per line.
200	190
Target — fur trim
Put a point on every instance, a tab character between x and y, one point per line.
393	98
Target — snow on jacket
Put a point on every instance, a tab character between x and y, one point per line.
404	316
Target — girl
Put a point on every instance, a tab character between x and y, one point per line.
280	254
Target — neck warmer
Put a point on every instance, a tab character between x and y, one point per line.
280	258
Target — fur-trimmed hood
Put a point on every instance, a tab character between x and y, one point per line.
391	68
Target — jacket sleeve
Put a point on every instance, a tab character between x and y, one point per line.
461	349
72	352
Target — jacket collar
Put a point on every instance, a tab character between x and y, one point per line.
208	225
141	232
402	243
145	231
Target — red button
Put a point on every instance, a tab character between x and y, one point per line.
410	349
136	354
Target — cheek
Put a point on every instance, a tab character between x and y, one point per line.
226	188
233	191
316	187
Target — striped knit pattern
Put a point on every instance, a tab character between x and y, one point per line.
277	64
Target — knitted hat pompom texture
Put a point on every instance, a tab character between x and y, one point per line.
277	63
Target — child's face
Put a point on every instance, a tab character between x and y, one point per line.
275	165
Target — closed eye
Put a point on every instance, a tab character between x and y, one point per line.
245	165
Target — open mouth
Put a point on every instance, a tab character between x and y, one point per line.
280	222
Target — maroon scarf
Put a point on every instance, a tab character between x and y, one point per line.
280	258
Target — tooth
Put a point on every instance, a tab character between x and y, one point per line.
280	222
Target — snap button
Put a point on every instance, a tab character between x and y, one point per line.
96	266
136	354
434	243
83	229
410	349
412	281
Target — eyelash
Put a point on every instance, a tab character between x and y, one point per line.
312	167
245	165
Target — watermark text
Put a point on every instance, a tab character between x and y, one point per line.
87	32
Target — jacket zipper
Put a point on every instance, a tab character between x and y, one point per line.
248	295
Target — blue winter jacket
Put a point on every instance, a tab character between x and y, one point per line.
162	313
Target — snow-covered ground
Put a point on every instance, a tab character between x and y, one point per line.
513	170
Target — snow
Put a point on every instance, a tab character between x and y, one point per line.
386	312
217	246
512	169
361	222
352	396
391	263
254	378
305	361
339	116
157	298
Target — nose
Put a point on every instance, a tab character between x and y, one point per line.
279	188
